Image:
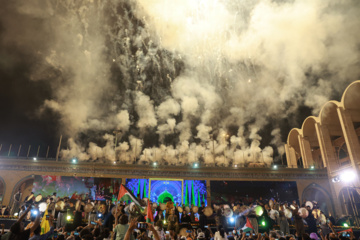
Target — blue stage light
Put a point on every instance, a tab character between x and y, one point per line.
232	219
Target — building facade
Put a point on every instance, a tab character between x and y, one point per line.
331	140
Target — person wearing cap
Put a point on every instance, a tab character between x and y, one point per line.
201	236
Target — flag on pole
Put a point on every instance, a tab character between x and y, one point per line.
126	195
45	225
149	214
248	226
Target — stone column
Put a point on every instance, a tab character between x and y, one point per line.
335	198
306	153
326	147
350	136
290	156
208	193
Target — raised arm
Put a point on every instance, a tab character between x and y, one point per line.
156	234
132	226
332	228
36	223
24	214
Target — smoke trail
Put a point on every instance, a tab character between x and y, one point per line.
186	80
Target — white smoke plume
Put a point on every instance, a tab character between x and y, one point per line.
185	81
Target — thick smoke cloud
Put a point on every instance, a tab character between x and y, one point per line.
184	81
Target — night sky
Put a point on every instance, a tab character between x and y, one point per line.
82	70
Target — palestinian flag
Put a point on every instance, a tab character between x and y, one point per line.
149	214
248	226
126	195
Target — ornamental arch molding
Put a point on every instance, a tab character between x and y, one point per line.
314	192
25	185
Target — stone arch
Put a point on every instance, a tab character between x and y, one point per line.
330	123
328	113
314	192
350	117
351	98
2	189
293	142
310	136
25	186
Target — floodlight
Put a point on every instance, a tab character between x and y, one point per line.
348	176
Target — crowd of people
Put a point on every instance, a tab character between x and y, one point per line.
85	219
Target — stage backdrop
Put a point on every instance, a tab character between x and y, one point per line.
139	187
194	192
162	190
249	191
94	188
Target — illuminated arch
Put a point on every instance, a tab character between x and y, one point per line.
351	97
308	127
163	198
328	113
293	141
309	133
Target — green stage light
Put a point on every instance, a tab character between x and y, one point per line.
68	218
346	225
263	223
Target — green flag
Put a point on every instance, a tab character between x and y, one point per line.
192	193
138	190
145	196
